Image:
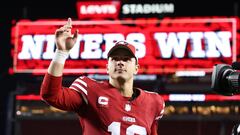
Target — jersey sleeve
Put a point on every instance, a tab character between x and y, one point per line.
82	85
53	93
154	128
159	111
161	105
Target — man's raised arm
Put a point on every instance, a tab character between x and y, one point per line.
64	42
51	88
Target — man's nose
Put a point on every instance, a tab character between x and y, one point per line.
120	63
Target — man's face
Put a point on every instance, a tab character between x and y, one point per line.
122	64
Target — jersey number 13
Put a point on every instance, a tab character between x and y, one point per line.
114	128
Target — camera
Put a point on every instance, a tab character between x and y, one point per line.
225	79
236	130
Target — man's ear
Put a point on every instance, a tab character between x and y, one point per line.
136	69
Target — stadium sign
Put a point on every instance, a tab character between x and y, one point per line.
163	46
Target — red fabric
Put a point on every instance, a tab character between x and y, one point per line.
154	128
106	109
60	97
102	109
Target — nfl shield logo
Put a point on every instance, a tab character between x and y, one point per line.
127	107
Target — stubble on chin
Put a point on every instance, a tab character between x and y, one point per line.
120	79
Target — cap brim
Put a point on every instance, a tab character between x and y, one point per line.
120	47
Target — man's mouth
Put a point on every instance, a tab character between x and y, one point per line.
120	70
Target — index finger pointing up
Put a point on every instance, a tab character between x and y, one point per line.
69	23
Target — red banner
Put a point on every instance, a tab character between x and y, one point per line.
163	46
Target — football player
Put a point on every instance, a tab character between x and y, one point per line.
112	107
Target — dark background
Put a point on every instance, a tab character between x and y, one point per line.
56	9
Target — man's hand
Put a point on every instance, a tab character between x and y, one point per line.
63	36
